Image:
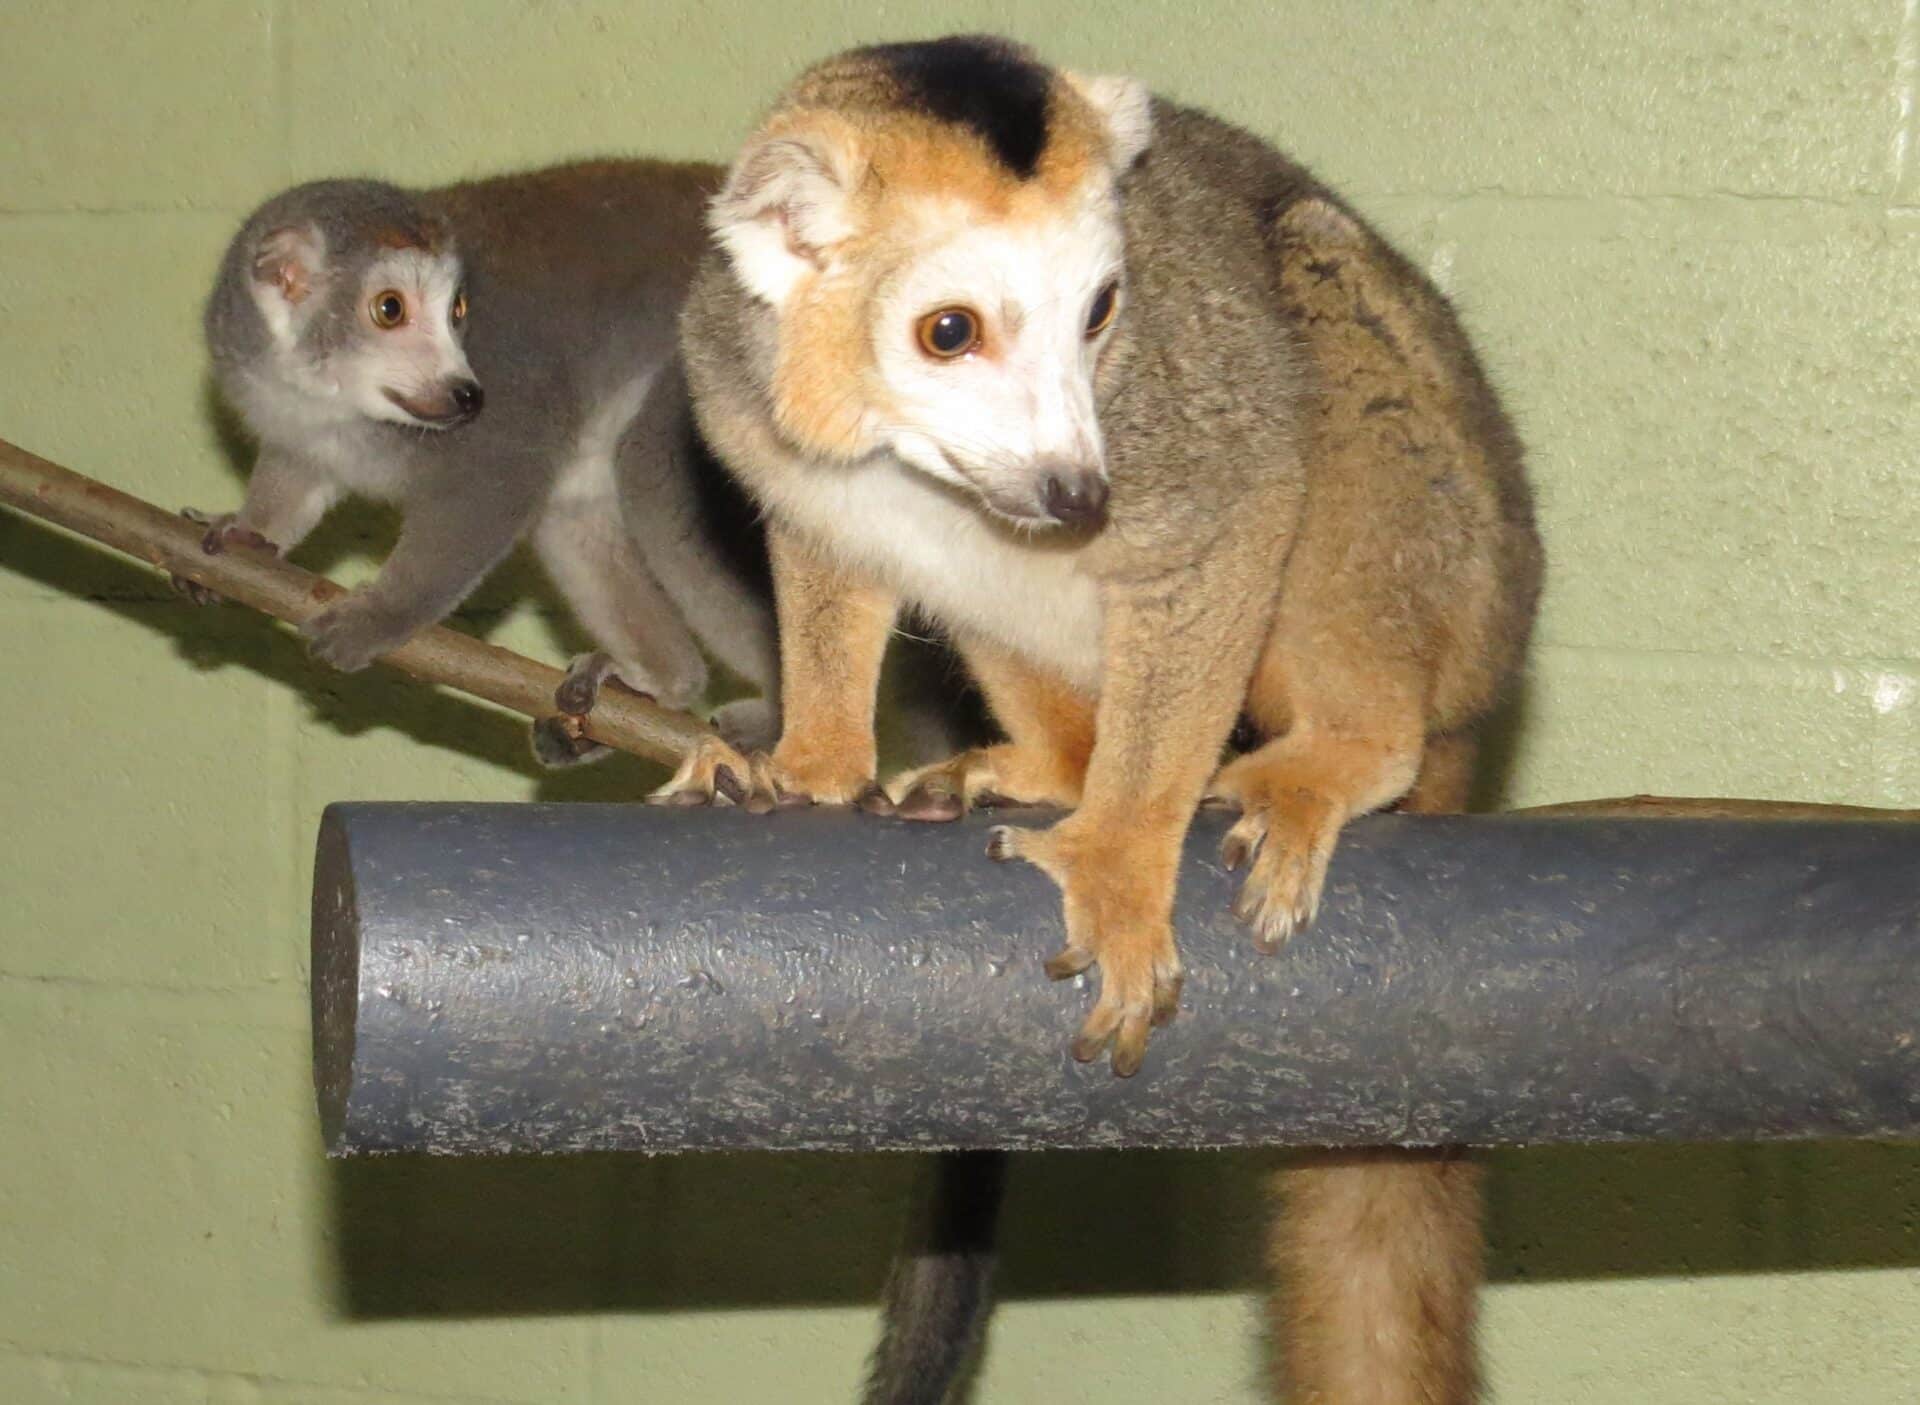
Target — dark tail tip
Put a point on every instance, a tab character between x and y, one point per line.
941	1288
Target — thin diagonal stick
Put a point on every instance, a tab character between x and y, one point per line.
39	488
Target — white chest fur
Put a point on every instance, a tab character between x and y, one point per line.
586	479
942	553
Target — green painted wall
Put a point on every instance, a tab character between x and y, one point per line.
1687	238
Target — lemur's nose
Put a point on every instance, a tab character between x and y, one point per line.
1076	496
469	397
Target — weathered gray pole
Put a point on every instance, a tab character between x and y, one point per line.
491	978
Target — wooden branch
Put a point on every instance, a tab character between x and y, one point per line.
261	580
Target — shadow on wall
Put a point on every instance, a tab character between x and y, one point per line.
620	1233
231	636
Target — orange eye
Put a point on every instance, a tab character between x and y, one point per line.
388	310
458	312
949	333
1100	316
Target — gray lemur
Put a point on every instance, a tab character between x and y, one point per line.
497	357
479	354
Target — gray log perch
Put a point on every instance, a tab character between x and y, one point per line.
559	978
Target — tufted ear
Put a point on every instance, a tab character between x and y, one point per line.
289	264
786	204
1126	107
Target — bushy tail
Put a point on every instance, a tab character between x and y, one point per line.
940	1290
1377	1254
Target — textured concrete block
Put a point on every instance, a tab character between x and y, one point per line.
1733	1340
441	89
1404	97
1597	722
1561	98
149	841
28	1380
110	376
217	1255
1720	406
126	106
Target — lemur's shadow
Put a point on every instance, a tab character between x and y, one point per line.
619	1234
609	1233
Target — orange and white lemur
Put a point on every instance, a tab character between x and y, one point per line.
1163	435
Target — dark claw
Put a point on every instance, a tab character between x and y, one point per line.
925	802
1000	843
1245	903
729	784
1166	1002
1068	962
1233	852
1129	1054
1087	1047
873	800
193	590
990	800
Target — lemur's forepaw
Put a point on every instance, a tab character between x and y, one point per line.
715	771
1284	837
559	744
945	790
580	689
220	534
1140	971
984	777
352	633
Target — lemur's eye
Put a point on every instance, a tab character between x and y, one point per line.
1100	316
458	312
388	310
950	332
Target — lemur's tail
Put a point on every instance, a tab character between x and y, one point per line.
941	1288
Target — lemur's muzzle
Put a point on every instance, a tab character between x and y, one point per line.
454	402
1075	496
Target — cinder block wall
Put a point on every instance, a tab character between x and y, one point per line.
1685	237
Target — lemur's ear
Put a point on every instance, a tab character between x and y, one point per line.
786	205
1126	107
288	260
288	265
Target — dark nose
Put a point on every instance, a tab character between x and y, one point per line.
1076	496
469	397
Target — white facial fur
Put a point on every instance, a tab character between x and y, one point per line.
415	362
369	372
1001	419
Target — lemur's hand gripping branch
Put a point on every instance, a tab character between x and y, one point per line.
262	581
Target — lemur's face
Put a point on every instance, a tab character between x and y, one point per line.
374	333
945	290
985	343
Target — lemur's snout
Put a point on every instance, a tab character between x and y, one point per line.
452	403
1076	496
